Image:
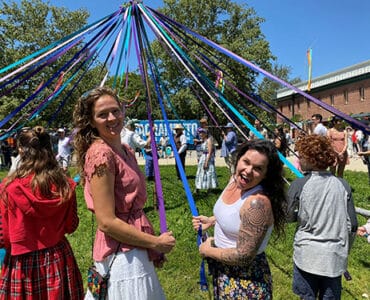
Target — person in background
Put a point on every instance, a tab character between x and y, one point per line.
359	138
323	208
197	139
6	151
115	191
296	162
252	204
338	139
280	141
260	129
130	137
364	231
163	143
64	149
15	163
206	177
319	127
228	147
365	153
181	146
149	166
288	139
38	207
350	146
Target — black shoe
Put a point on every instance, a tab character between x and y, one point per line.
150	178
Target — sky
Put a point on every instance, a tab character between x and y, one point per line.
337	31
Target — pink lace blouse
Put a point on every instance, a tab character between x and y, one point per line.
129	192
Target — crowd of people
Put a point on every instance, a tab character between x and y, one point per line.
38	207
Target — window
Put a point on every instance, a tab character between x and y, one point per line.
332	100
308	103
362	93
345	94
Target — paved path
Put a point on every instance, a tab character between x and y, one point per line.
355	164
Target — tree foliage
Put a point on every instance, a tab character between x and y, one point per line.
233	26
268	88
29	26
136	97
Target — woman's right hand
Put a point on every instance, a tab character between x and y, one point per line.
166	242
203	221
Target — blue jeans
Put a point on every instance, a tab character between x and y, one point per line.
149	167
308	286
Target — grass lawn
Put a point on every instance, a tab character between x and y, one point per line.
179	276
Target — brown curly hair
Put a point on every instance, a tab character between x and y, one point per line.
316	150
82	119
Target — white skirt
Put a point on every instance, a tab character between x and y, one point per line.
132	276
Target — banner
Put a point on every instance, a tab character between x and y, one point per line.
190	129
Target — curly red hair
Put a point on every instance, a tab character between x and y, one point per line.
316	150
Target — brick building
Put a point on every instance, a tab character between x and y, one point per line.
348	90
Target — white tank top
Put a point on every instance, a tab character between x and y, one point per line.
228	222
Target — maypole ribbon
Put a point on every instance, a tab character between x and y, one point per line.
127	15
205	106
228	105
172	45
54	46
250	65
255	99
96	41
158	185
191	202
60	52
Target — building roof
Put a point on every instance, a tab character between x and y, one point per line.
343	74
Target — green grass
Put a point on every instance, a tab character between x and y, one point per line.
179	276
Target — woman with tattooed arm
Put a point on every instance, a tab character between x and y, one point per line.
251	205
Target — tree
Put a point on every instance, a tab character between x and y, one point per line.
236	27
27	27
136	108
267	91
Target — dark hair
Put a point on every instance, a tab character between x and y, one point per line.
316	150
82	119
37	158
273	184
335	119
283	141
317	116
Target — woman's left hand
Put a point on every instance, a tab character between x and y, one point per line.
205	246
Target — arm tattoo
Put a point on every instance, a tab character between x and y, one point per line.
101	170
253	228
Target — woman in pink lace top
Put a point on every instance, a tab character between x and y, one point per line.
114	190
